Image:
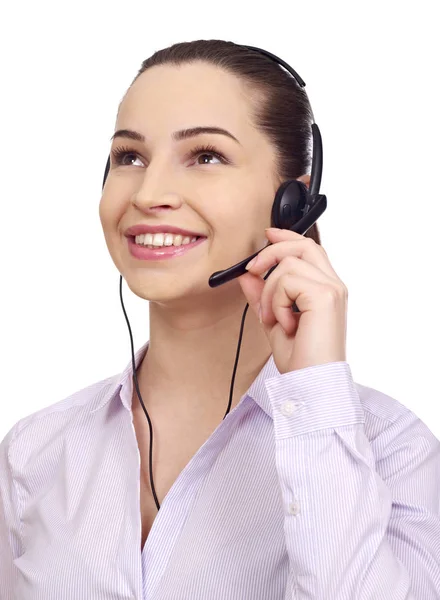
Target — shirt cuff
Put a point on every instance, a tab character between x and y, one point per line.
314	398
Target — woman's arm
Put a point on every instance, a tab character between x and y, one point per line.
352	532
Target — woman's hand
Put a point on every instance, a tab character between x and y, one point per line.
304	275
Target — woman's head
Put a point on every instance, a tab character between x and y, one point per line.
227	198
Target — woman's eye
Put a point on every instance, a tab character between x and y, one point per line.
205	155
120	156
130	154
208	151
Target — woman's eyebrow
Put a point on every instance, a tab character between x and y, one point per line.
177	135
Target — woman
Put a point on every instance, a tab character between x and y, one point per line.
313	486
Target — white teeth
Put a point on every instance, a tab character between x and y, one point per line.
163	239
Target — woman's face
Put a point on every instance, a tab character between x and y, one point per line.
162	182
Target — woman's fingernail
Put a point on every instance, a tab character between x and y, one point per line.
251	263
259	315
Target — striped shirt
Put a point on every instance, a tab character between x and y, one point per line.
313	486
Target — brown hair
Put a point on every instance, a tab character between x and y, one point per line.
280	106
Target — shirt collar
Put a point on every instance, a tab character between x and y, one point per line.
122	384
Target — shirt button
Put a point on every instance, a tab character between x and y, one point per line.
289	407
294	508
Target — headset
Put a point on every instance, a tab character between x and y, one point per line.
295	207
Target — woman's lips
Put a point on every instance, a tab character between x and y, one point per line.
161	252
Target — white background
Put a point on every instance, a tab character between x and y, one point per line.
372	79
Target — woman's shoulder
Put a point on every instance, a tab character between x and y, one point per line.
55	417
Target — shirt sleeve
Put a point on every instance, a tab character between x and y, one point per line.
350	532
9	522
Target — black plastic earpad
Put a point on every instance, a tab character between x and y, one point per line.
289	203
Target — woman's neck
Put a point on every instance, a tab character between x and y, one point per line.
192	366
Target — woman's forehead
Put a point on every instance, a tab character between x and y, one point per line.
175	92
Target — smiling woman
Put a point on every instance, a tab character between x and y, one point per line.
311	485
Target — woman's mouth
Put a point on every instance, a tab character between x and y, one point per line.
142	252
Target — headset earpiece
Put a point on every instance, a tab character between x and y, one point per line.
289	203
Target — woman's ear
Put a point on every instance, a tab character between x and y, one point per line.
304	179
